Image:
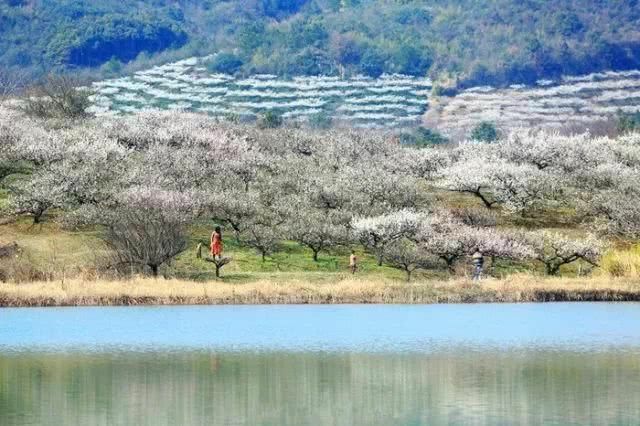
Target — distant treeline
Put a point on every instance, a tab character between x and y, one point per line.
461	42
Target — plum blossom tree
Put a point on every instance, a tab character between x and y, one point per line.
9	139
427	163
144	177
496	181
375	233
519	188
449	239
383	190
408	256
35	196
264	237
471	173
71	167
610	194
261	218
94	169
319	231
476	217
236	208
619	211
552	151
554	250
145	227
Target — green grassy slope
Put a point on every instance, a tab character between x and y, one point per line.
50	251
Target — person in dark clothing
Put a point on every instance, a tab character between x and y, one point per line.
478	263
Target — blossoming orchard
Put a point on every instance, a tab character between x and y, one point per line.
143	180
388	101
571	102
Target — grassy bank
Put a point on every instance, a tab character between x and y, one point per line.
292	289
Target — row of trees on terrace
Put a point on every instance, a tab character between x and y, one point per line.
143	179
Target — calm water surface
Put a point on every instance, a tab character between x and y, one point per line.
277	365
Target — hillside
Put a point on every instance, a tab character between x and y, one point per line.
463	42
388	101
54	35
591	102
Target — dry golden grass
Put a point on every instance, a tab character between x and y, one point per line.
624	263
345	289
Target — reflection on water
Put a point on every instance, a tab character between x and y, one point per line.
313	388
321	365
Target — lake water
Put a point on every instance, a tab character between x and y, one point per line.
322	365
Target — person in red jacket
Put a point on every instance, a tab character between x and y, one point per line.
216	243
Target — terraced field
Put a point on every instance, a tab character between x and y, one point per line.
389	101
572	101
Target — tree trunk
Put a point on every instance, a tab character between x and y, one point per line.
264	257
154	270
218	263
408	271
315	255
450	263
236	230
488	204
551	269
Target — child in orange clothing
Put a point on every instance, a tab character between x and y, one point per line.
216	243
353	262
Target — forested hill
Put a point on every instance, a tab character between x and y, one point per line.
468	42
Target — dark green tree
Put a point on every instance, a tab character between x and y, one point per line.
226	63
270	120
485	132
422	137
112	67
628	123
372	63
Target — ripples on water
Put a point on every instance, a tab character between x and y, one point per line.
444	364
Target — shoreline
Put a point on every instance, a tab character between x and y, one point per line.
147	291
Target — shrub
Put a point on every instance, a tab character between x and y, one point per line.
320	120
225	63
422	137
270	120
622	263
15	266
485	132
58	97
628	123
11	82
112	67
